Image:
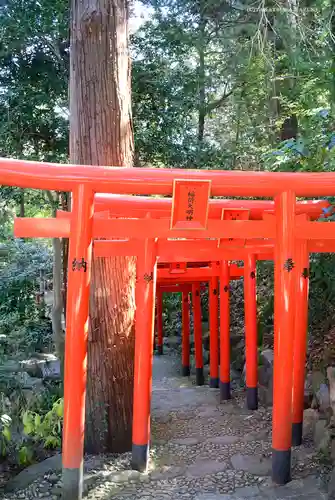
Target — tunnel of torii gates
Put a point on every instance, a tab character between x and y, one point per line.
293	236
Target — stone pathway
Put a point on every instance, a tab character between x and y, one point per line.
201	450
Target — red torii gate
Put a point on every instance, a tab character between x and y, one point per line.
256	367
23	225
234	209
139	206
18	221
197	274
83	181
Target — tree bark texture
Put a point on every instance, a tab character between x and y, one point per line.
202	82
101	134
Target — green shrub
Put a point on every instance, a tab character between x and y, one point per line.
45	429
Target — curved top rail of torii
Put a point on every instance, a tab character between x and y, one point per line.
121	180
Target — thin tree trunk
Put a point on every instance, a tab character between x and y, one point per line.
237	132
101	134
64	199
22	207
201	121
57	307
332	44
202	89
65	255
289	128
56	317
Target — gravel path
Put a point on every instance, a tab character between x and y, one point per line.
201	450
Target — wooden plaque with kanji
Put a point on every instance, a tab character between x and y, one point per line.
190	204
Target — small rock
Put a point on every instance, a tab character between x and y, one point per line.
238	356
317	378
265	394
57	491
205	467
167	473
251	463
51	370
247	492
44	488
322	436
53	478
124	476
189	441
262	435
310	418
223	440
33	367
323	398
265	371
29	382
267	358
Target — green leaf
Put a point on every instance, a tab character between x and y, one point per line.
59	407
52	442
37	420
7	434
28	423
25	455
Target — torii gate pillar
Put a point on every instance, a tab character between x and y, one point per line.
250	307
159	322
300	341
214	330
285	289
199	364
79	274
225	393
144	334
185	335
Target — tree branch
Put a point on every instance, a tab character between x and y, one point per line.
216	104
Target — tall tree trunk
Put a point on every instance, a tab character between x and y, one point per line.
101	134
289	129
202	82
283	73
202	94
332	69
